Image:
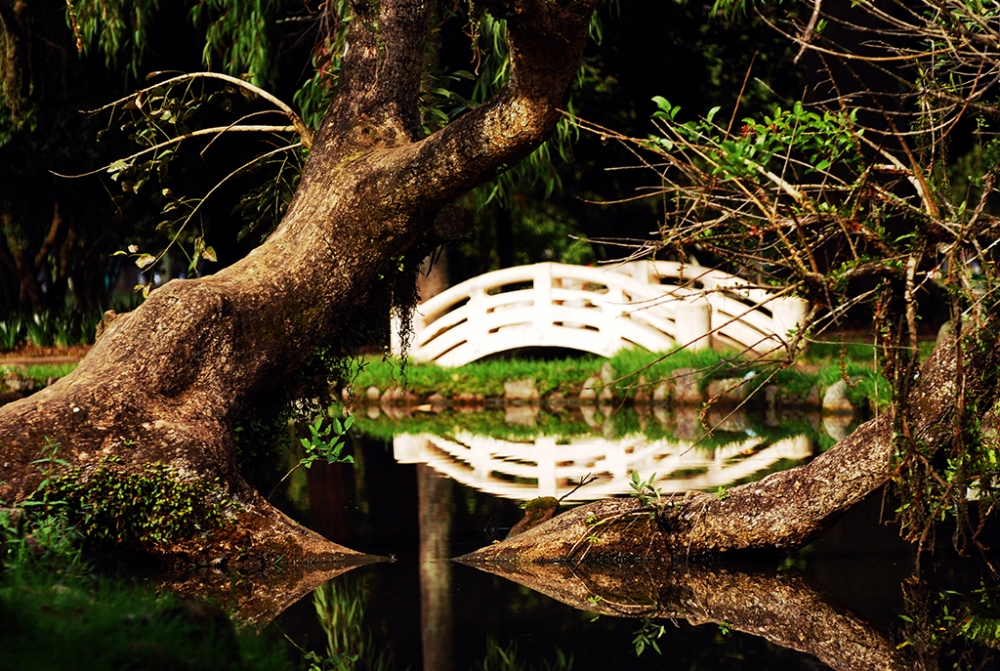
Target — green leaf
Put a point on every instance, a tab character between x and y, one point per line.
145	260
209	255
712	112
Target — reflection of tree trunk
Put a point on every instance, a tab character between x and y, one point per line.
434	501
254	598
785	608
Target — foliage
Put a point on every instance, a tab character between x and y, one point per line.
322	445
42	373
862	198
634	370
483	377
160	118
340	608
485	422
955	627
505	658
326	442
57	615
643	490
646	636
11	333
47	329
110	505
41	544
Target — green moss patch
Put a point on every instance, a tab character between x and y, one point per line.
111	505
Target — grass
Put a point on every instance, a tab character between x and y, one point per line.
567	426
41	372
822	367
55	614
46	623
483	377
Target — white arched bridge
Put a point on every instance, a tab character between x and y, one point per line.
657	305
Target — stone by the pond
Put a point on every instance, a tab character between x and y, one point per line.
837	425
520	391
642	390
686	391
835	399
521	415
469	400
16	382
663	391
589	392
727	390
556	398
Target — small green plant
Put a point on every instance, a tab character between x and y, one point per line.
11	333
725	628
325	441
47	464
722	493
643	490
500	658
646	636
41	330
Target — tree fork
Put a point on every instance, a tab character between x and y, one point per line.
166	382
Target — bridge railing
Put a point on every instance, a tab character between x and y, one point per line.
654	305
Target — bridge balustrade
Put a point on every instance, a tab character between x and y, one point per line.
657	305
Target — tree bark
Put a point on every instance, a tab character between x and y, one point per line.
166	382
783	510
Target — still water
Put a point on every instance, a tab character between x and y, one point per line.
425	489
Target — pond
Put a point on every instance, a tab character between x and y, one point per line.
426	488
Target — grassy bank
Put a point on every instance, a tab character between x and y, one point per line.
634	372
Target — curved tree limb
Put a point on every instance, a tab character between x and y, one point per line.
785	509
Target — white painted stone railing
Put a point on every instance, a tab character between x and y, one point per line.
547	468
657	305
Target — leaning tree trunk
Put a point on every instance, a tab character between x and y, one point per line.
166	382
783	510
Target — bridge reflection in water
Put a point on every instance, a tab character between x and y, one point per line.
551	466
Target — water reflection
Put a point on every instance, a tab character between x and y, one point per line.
426	612
434	496
678	448
786	609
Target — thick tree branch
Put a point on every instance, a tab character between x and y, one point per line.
785	509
